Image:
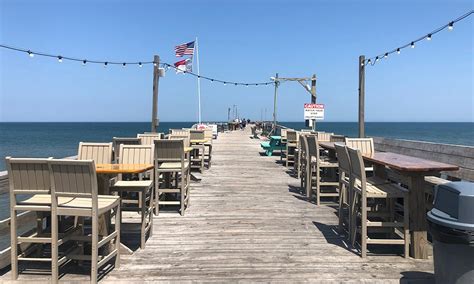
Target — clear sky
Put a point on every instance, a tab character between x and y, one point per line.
239	41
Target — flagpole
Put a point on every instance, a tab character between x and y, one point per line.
198	81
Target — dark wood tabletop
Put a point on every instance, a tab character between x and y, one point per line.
408	163
329	145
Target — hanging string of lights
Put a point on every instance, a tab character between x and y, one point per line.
167	66
61	58
450	26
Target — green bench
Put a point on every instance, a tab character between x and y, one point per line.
273	144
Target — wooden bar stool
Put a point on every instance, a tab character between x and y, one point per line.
137	195
170	159
317	172
371	190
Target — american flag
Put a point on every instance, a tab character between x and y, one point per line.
184	49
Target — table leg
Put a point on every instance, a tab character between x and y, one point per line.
418	223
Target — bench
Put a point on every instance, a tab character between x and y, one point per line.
273	144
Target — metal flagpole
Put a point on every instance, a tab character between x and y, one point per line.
199	82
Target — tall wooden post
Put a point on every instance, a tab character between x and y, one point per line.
275	104
156	80
313	97
361	96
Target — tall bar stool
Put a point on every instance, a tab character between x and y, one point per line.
345	194
30	178
377	189
316	172
78	180
170	159
197	140
137	195
291	144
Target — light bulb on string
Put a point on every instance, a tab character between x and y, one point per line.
398	50
105	64
124	64
428	37
386	55
140	64
225	84
376	58
84	62
412	44
31	54
60	59
451	26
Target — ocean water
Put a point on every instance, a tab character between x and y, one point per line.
62	139
458	133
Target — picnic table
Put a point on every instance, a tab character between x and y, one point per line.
413	170
275	143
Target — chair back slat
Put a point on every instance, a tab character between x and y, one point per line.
343	158
208	134
117	141
179	132
73	177
169	150
100	153
291	136
365	145
184	137
28	175
312	146
324	136
283	133
357	164
196	134
136	154
337	138
148	138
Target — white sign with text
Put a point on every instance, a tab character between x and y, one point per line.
314	111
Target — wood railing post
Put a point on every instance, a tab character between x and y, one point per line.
361	96
156	80
313	97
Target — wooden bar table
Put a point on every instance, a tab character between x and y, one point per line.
104	173
414	170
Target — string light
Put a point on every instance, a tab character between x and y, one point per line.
166	66
411	44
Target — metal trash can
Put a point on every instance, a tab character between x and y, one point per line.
451	224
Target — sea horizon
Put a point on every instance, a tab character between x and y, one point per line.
61	139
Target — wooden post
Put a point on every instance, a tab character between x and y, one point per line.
275	104
156	81
313	97
361	96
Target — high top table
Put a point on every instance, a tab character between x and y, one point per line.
413	170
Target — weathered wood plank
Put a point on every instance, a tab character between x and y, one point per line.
249	222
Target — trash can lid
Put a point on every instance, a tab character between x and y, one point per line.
454	205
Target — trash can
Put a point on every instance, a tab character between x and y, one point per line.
451	224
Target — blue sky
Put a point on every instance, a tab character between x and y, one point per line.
239	41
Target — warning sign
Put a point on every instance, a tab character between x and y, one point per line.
314	111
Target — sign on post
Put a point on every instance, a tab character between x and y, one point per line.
314	111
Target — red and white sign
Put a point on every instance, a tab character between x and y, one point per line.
314	111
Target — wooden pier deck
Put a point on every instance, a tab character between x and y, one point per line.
249	222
